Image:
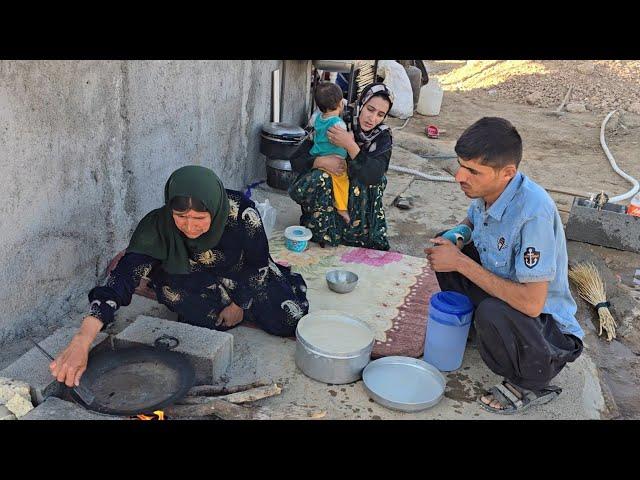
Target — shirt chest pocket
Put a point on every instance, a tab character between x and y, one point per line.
499	261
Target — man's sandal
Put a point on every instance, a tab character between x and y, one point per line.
511	403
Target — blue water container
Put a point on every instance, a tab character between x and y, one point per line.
450	315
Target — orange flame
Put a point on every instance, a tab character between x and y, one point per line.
157	415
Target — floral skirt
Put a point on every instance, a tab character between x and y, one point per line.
313	191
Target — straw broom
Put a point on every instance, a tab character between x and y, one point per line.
592	289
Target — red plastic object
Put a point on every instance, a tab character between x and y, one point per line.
432	131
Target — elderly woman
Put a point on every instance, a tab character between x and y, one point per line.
368	145
207	257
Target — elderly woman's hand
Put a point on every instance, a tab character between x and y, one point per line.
69	366
230	316
331	163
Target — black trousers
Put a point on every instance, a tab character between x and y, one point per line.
527	351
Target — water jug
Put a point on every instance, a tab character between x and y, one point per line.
450	315
430	98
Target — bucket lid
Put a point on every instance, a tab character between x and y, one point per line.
298	233
451	302
280	129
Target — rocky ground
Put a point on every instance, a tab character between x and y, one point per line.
599	86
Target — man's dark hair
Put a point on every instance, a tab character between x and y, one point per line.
182	204
328	96
493	141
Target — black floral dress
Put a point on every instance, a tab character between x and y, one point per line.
313	191
238	270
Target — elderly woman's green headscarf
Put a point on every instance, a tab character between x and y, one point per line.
157	235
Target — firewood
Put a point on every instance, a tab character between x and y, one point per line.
208	390
214	407
289	412
239	397
229	411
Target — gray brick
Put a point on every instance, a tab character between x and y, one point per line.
209	351
603	227
57	409
33	366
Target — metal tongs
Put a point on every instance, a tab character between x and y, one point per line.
83	392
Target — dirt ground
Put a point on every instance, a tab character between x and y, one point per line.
559	153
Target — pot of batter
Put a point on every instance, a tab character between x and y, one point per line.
333	346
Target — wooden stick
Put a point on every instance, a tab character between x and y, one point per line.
568	191
238	397
558	111
208	390
213	408
564	100
289	412
229	411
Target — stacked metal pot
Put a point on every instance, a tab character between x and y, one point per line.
280	142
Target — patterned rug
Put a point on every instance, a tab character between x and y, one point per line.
392	295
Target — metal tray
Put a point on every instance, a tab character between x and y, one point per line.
403	383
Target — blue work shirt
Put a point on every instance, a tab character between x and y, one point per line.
520	238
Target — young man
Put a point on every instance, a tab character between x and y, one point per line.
514	270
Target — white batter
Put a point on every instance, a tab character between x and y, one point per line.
334	335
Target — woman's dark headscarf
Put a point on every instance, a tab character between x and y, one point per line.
157	235
367	139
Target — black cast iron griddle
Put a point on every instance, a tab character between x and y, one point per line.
135	380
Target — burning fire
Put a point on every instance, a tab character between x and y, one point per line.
157	415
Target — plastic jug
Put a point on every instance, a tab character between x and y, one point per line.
430	98
450	315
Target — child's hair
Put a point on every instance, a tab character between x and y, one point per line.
492	140
182	204
328	96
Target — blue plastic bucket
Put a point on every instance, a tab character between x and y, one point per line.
450	315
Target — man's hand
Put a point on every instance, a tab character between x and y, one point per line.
444	257
230	316
331	163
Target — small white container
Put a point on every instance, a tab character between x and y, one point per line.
296	238
430	99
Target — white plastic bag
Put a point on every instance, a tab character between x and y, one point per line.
268	215
397	80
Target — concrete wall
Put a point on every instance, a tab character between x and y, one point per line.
87	147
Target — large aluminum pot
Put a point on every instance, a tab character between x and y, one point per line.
281	140
326	357
280	175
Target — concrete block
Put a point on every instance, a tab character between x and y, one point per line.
54	408
33	366
209	351
609	227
